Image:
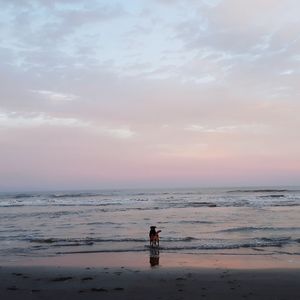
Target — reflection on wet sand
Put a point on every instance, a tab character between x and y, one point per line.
154	257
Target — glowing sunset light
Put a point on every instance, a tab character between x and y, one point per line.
108	94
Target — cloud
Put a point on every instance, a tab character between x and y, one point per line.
241	128
54	33
287	72
121	83
242	39
122	133
54	96
31	120
35	120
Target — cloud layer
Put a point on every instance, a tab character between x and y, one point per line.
99	94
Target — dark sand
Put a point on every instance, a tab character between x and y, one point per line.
213	277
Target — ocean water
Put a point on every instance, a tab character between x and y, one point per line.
256	221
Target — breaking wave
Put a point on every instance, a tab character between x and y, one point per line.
241	229
167	247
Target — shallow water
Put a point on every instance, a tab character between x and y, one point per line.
191	220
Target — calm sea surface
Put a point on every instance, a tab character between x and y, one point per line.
256	220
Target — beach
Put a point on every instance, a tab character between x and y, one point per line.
214	244
128	276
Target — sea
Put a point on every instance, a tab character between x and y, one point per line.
192	221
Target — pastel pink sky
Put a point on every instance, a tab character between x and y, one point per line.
121	94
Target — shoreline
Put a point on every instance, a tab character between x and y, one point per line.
151	276
155	258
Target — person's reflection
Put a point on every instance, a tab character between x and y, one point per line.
154	257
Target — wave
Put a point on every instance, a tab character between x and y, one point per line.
255	244
18	196
133	204
57	195
288	204
273	196
83	240
251	228
12	205
198	243
56	204
77	195
195	222
104	223
200	204
251	244
104	240
261	191
278	239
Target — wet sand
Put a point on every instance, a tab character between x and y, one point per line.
222	277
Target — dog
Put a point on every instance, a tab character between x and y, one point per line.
154	236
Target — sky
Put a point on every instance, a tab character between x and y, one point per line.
149	93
